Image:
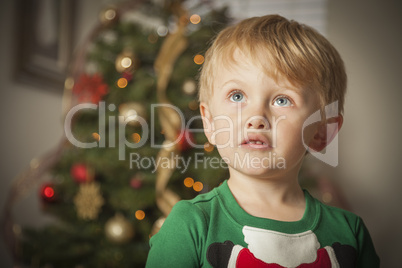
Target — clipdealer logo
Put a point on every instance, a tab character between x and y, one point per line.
199	160
330	156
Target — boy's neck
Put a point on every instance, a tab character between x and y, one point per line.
278	199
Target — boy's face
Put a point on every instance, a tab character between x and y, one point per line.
257	122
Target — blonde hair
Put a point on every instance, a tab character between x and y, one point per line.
282	48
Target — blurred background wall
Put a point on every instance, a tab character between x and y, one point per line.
367	34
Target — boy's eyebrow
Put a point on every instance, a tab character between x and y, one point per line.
235	81
291	88
288	87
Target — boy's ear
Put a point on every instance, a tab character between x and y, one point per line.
325	133
207	122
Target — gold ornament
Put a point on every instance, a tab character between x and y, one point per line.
189	87
135	110
126	61
118	229
88	201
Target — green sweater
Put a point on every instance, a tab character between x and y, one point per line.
212	230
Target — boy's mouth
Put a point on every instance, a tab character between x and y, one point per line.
255	141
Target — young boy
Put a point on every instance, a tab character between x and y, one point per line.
261	81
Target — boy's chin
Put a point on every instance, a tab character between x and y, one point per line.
261	172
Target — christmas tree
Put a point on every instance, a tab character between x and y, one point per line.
132	149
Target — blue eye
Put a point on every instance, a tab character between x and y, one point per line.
282	101
237	96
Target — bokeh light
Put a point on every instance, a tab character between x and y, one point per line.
208	147
48	192
195	19
110	14
126	62
188	182
96	136
199	59
136	137
122	82
162	30
198	186
139	215
69	83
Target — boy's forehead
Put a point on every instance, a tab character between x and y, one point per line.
237	62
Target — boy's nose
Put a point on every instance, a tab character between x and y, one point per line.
257	122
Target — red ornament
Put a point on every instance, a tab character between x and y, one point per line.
48	193
81	173
136	182
90	88
186	140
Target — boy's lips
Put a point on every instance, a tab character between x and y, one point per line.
257	141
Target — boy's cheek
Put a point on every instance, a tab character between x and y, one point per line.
209	134
292	134
223	138
207	125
